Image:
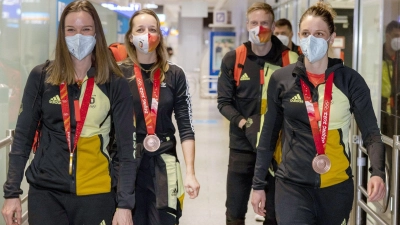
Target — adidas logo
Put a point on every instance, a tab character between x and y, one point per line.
163	84
103	222
296	98
55	100
244	77
174	192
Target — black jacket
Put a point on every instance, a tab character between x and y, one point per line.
287	111
91	170
241	102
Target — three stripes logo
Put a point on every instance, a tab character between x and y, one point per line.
244	77
55	100
296	98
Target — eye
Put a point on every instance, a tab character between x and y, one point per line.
153	30
305	34
264	23
70	29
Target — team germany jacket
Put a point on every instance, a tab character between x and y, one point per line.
174	98
287	111
91	163
241	102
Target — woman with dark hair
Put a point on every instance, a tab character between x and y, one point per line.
312	102
77	99
159	88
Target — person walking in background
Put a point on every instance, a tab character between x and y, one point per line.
390	82
74	98
242	100
159	88
283	31
312	102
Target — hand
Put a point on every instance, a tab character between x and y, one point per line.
12	211
122	217
376	189
242	123
192	187
258	200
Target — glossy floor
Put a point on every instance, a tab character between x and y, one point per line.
211	163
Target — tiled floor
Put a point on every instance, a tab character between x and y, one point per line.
211	165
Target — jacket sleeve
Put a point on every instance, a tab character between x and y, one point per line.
269	134
365	117
122	111
227	89
27	123
183	107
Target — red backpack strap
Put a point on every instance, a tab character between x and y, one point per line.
241	53
285	58
119	51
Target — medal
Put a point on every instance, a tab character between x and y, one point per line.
151	143
321	164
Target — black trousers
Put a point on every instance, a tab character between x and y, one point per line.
239	181
48	207
298	205
145	212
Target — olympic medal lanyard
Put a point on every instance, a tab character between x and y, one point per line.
80	115
320	136
149	116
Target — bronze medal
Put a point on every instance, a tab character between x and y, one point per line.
151	143
321	164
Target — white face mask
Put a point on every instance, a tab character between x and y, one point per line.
259	35
80	45
284	39
314	48
395	43
145	43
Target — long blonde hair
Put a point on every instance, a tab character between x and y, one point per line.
62	68
161	52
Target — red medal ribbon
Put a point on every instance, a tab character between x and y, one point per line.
320	137
82	114
149	116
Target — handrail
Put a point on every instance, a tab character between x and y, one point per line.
7	140
391	181
387	183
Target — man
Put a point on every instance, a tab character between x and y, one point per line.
390	85
283	31
242	100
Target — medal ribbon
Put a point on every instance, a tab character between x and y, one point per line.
150	117
320	137
82	114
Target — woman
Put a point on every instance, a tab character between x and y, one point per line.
159	88
74	99
314	182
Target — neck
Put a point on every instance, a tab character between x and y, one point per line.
261	50
317	67
81	67
290	45
146	58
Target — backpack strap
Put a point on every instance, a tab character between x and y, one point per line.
41	82
285	58
241	53
36	139
119	51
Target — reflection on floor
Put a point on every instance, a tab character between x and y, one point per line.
211	164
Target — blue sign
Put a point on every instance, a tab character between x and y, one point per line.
127	11
123	26
61	4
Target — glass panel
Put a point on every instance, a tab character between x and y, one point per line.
390	71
